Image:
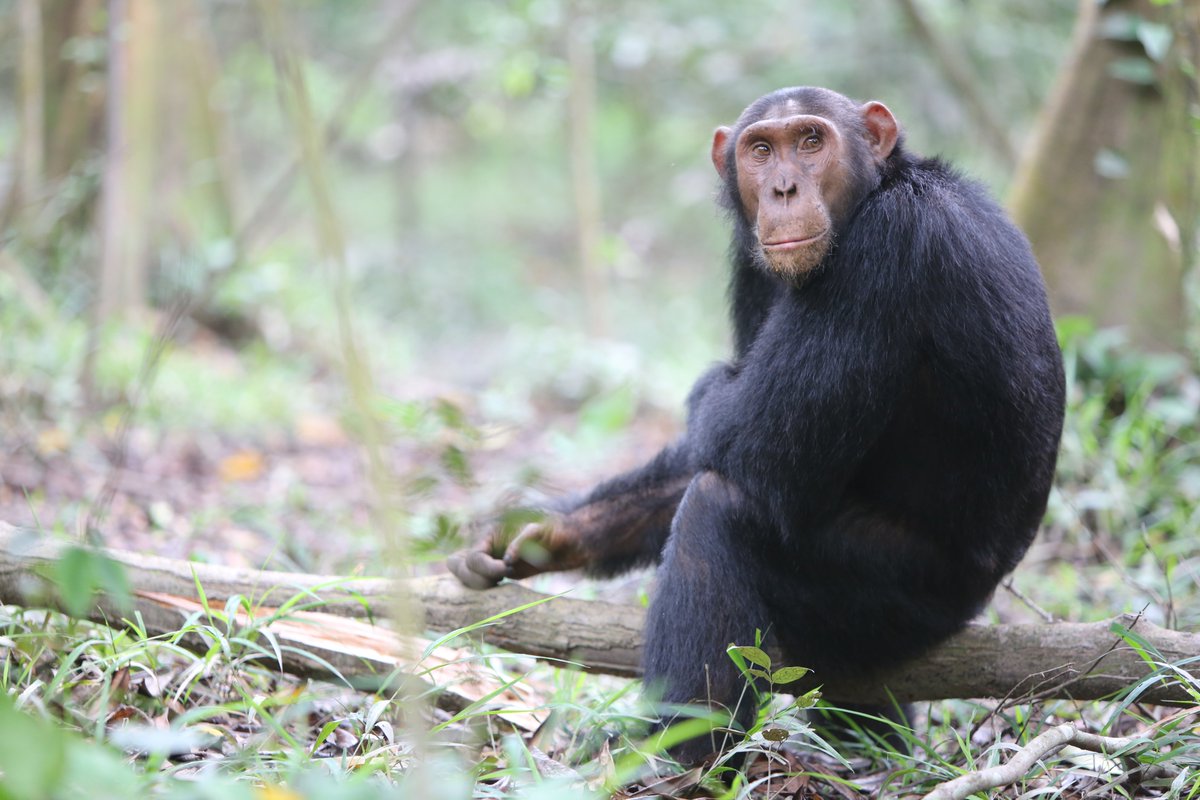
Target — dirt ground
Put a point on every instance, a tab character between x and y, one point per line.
299	500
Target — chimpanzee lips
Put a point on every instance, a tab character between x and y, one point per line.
791	244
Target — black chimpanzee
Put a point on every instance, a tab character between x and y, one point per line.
879	452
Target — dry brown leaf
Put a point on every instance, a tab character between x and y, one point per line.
52	441
244	465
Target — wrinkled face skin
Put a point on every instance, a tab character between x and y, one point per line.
800	177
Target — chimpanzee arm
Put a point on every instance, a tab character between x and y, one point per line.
790	424
621	524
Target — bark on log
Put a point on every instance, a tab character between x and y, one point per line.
1084	661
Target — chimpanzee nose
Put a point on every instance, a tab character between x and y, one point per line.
785	188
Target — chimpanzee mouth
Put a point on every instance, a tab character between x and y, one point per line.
792	244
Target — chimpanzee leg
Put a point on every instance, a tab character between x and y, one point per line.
707	597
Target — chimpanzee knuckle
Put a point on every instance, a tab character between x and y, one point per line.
473	581
484	565
460	567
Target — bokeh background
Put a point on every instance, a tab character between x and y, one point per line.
321	285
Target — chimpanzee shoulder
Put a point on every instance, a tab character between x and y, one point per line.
938	228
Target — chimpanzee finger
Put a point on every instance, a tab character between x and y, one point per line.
527	554
475	569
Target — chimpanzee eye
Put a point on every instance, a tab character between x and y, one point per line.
811	141
760	150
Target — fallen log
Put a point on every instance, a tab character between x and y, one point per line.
1083	661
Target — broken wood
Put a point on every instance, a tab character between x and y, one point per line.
1084	661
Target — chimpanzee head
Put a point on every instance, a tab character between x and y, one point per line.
795	167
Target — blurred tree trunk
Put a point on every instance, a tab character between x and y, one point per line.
952	62
32	101
58	114
73	109
130	125
205	134
31	143
1108	192
581	101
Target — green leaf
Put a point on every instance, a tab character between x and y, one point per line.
452	416
518	75
33	754
608	413
455	462
807	700
1134	70
97	773
326	730
408	415
534	552
111	577
752	654
788	674
1156	39
775	734
75	576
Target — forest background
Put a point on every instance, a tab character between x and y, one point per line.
313	285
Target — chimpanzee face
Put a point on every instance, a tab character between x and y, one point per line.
800	176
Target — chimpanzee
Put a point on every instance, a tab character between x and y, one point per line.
878	453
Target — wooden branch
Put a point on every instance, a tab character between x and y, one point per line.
1084	661
1045	744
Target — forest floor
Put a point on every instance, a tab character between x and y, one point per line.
295	500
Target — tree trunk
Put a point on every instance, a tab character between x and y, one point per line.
131	127
1108	192
581	127
951	61
32	101
1084	661
72	110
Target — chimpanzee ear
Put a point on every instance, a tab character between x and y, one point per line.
719	145
882	129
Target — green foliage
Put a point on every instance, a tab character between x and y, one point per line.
1128	484
744	655
605	414
1129	454
40	357
33	755
81	573
42	761
449	166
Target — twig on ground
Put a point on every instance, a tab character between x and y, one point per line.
1011	588
1045	744
1049	742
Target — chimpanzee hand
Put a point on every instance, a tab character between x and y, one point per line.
545	545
